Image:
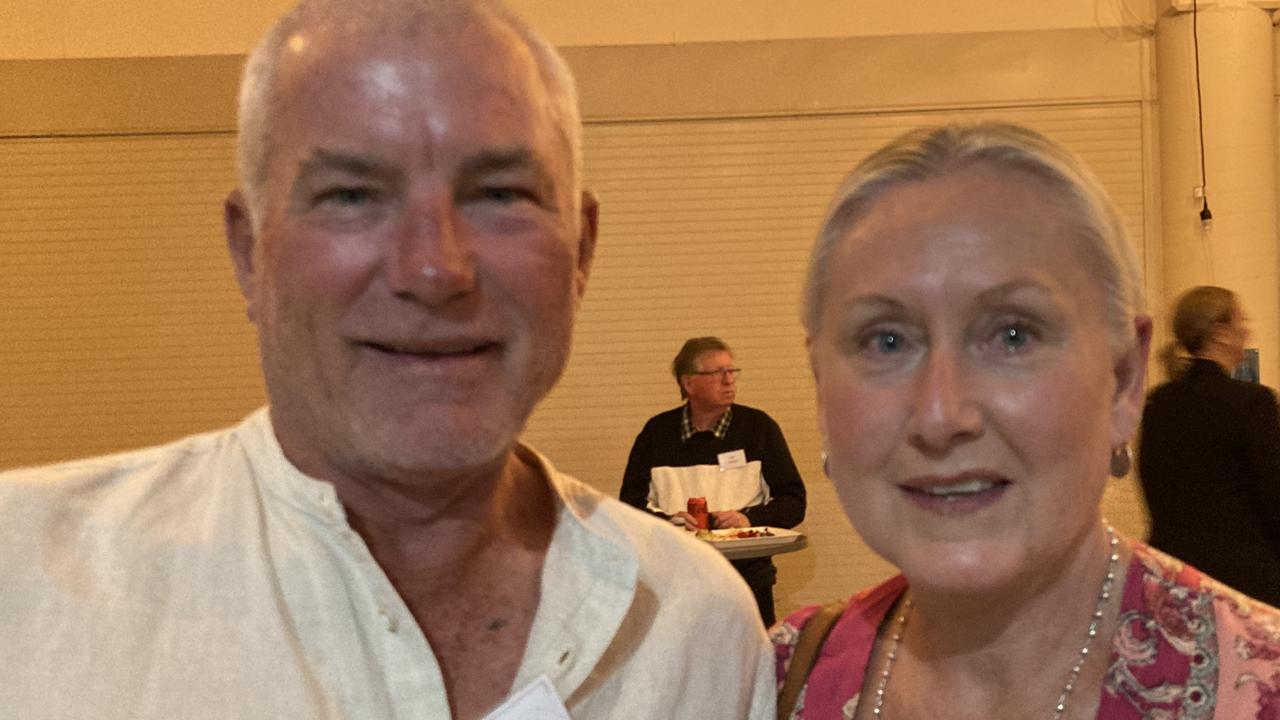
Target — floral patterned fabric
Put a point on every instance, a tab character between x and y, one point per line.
1187	648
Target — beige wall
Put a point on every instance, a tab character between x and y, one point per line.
928	56
38	29
830	100
931	57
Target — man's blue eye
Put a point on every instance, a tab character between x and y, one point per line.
348	196
504	195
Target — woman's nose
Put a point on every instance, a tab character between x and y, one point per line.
945	410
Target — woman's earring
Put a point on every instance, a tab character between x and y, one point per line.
1121	461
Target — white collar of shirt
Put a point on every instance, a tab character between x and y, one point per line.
588	577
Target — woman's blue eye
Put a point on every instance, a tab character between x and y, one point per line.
887	342
1014	337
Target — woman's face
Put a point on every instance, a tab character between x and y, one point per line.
967	385
1234	335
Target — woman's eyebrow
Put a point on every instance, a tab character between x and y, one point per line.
1013	287
874	302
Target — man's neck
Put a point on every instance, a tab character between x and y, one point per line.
469	570
444	519
705	418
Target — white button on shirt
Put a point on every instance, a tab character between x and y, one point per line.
210	578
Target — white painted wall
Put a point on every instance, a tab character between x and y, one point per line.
44	29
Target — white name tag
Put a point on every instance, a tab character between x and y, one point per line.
732	460
538	701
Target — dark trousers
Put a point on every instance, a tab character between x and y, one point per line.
760	574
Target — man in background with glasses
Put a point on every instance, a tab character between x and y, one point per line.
733	455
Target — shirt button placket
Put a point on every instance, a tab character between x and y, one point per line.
389	618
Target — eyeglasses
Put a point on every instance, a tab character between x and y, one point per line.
722	372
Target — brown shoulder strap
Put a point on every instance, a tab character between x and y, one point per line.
812	636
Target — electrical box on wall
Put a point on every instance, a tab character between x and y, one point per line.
1177	6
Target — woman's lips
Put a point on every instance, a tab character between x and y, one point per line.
957	495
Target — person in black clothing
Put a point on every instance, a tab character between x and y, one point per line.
733	455
1209	453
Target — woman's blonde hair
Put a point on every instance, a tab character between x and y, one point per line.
928	152
1196	314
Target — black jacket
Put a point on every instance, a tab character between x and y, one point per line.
1209	462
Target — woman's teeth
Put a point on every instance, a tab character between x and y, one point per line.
960	489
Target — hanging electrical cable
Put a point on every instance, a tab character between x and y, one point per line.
1206	217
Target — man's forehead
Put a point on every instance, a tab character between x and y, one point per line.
485	161
447	39
479	61
714	357
388	86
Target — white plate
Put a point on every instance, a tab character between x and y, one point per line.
725	540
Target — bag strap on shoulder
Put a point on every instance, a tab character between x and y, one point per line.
812	636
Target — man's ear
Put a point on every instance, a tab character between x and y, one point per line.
684	383
1131	382
242	244
589	223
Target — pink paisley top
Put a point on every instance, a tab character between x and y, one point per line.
1187	648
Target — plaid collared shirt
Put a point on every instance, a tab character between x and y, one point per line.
719	429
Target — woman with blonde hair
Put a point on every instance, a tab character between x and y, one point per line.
1209	324
975	326
1209	455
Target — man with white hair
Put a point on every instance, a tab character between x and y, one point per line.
412	243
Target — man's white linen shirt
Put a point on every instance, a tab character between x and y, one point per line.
210	578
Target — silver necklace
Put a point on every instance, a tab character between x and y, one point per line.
1113	564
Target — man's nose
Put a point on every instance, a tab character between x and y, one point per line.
432	258
945	408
